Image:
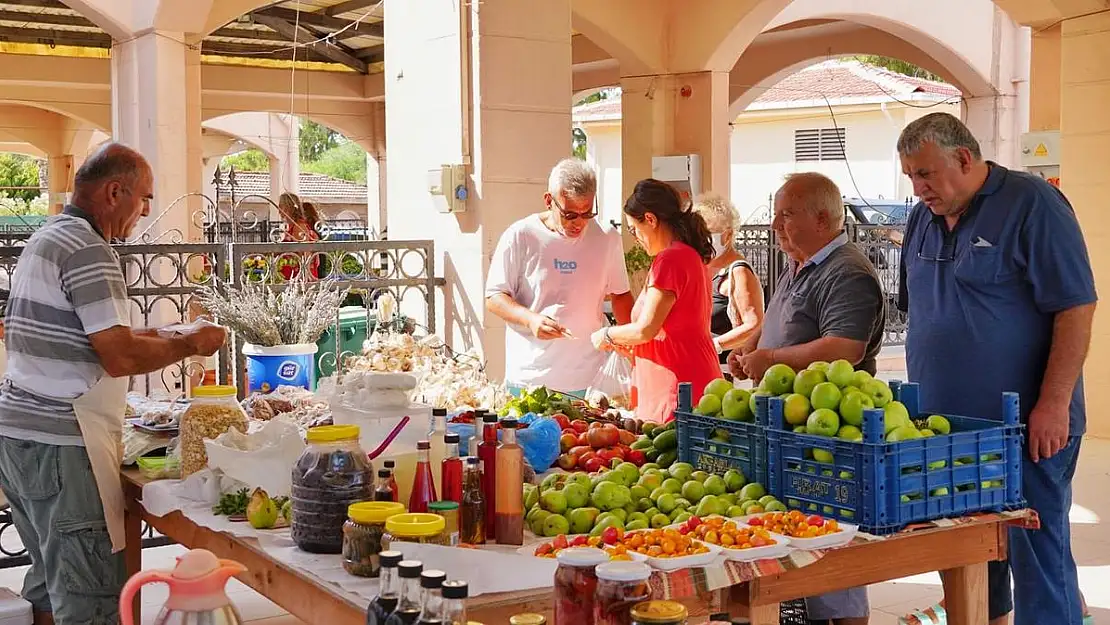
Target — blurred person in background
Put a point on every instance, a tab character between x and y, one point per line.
737	312
548	280
668	336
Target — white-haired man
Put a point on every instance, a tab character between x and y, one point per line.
549	278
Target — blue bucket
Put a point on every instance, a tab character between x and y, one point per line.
282	365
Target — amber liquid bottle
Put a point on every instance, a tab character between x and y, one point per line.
509	506
472	508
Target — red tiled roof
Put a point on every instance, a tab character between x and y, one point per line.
835	80
316	187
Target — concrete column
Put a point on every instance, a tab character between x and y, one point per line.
1084	152
156	110
676	115
60	173
495	100
377	218
1044	80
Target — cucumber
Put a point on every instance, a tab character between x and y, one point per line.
667	441
647	428
641	443
651	454
666	459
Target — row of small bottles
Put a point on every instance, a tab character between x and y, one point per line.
409	595
488	485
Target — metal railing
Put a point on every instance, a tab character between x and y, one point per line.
758	244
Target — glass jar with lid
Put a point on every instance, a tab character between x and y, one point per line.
620	585
212	411
659	613
415	527
362	535
575	584
449	510
528	618
332	473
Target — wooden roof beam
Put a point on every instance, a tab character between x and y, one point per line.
300	34
319	19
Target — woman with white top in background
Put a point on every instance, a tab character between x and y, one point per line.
737	294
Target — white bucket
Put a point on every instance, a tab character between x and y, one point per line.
376	424
281	365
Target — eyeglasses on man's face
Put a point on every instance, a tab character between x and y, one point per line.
573	215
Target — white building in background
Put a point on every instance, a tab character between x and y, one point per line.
840	118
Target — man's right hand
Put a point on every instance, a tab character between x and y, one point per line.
734	365
545	328
206	340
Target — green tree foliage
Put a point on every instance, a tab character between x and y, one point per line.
898	66
578	143
17	170
346	161
316	140
247	160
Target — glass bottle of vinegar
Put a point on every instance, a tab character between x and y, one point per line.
472	508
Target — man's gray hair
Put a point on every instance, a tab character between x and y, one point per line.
818	193
573	177
944	130
111	161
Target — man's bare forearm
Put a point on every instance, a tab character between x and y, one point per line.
827	348
1071	339
144	354
509	310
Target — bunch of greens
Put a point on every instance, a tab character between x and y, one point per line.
235	504
540	401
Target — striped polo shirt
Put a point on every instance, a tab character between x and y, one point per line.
67	285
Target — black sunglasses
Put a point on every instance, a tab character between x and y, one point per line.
571	215
940	257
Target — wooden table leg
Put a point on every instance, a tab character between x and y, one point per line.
133	549
965	594
766	614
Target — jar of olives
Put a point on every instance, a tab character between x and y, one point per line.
415	527
362	535
331	474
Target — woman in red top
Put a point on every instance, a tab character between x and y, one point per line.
668	337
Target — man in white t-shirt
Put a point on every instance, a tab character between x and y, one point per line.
549	278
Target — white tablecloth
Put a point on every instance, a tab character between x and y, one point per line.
501	569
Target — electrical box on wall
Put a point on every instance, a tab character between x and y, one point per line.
1040	154
448	188
681	172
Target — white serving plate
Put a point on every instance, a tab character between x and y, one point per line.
843	537
529	549
782	546
684	562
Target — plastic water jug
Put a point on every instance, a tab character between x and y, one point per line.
197	591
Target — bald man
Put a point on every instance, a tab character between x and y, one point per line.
71	351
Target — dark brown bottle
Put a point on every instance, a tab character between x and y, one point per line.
384	489
389	587
408	603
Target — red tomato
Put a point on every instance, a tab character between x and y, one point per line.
815	521
755	521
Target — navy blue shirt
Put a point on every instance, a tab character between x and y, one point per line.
982	298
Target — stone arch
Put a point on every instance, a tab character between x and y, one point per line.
361	129
600	22
776	55
52	131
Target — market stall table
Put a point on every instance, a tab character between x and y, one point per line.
958	550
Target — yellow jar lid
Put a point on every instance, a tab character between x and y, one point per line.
374	511
658	612
215	390
527	618
332	433
415	524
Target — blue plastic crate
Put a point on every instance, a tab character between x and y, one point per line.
717	445
883	486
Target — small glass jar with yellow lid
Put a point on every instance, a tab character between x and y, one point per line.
659	613
415	527
362	535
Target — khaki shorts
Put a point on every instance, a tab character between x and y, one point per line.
57	511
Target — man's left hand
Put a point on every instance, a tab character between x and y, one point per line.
756	363
1047	429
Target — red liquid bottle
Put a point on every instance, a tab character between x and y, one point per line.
389	464
423	487
451	471
487	453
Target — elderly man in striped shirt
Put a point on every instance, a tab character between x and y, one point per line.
71	351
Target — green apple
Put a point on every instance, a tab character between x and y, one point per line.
715	485
795	409
849	433
734	480
692	490
734	511
939	464
752	491
939	492
895	412
776	506
852	405
699	476
822	455
819	365
859	378
902	433
823	422
800	429
778	379
736	405
846	475
825	395
806	380
672	485
577	496
681	471
753	396
878	391
840	373
582	519
709	405
666	503
660	521
926	432
555	502
939	424
718	387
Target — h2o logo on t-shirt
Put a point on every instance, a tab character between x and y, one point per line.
565	266
288	370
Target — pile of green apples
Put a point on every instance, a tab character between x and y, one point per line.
630	498
829	399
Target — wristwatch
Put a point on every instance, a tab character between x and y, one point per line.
717	345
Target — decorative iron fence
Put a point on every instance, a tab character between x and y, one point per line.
758	244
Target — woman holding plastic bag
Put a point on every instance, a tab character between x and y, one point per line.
669	336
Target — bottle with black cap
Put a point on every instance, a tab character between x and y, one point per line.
435	436
408	601
472	447
383	491
454	602
389	587
392	466
432	583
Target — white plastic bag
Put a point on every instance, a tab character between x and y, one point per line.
614	381
260	459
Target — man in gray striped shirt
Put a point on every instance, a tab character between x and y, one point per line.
68	335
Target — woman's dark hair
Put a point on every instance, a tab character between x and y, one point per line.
663	201
310	214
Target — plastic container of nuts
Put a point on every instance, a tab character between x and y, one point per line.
213	411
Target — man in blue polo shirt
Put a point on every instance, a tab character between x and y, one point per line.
1000	295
